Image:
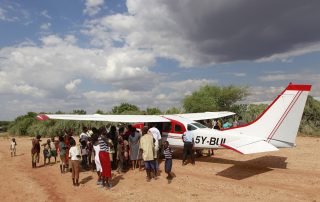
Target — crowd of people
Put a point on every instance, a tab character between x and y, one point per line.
115	148
105	149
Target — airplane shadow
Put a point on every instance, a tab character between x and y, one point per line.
245	169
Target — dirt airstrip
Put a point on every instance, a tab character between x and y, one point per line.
285	175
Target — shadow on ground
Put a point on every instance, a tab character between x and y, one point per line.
86	179
245	169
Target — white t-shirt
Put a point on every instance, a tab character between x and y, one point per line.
13	145
156	135
73	153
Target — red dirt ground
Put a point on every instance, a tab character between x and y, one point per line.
285	175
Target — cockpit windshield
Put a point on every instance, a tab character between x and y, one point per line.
195	126
199	125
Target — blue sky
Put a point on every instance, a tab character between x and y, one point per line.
94	54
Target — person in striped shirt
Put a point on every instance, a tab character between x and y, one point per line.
167	152
105	158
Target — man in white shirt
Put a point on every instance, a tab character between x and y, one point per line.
157	137
188	140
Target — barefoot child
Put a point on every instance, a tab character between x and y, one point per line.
62	154
167	152
74	156
46	152
13	145
35	150
53	152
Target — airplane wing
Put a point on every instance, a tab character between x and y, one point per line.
206	115
106	118
250	145
133	118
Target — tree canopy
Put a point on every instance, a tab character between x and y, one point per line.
125	107
214	98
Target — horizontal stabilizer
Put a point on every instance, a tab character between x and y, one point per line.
248	145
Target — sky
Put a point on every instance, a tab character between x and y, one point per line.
95	54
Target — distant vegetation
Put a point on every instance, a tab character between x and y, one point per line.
207	98
4	126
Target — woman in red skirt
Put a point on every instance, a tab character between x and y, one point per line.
105	159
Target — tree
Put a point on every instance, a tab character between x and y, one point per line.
99	111
153	111
174	110
79	111
214	98
310	123
125	107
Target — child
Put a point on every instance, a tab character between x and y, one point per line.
84	154
120	154
46	152
167	152
74	156
53	149
62	152
13	145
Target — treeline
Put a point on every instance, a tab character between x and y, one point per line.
4	126
207	98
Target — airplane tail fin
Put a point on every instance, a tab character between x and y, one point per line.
279	123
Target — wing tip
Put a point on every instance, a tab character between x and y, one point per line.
42	117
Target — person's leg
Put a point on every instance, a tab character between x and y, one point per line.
34	160
169	167
139	164
73	165
166	167
132	166
191	153
185	151
38	157
156	167
99	182
148	170
77	171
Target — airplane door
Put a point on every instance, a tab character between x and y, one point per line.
175	135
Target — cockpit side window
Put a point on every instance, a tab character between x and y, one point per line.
177	128
191	127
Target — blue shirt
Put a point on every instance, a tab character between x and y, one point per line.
188	136
226	125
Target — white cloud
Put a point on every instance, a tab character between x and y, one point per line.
192	34
188	85
93	7
54	64
44	13
45	26
291	77
298	50
146	26
72	86
2	14
239	74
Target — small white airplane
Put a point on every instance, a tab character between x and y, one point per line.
275	128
